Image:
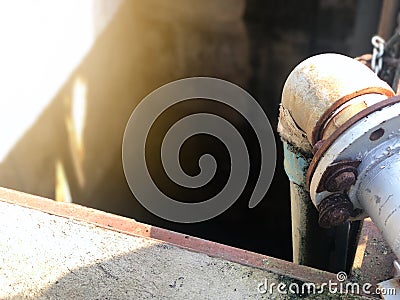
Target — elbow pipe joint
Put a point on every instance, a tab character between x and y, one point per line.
350	120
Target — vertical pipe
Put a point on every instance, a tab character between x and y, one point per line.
313	246
387	22
365	25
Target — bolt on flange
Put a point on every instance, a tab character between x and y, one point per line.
339	176
334	210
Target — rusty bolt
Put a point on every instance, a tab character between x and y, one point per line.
341	181
334	210
339	177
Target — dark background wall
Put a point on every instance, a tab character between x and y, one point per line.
278	35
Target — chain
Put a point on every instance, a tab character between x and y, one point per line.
379	45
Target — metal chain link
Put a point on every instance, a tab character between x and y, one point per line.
379	45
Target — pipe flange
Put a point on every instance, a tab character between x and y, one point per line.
374	130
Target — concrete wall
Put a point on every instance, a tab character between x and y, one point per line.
95	62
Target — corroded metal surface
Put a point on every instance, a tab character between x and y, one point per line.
343	109
339	176
353	120
320	81
306	234
334	210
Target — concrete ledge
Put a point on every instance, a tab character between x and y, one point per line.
52	250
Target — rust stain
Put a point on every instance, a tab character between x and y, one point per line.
329	141
319	127
328	179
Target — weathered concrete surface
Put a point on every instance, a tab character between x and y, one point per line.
374	258
45	255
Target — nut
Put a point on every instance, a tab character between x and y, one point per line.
341	181
339	177
334	210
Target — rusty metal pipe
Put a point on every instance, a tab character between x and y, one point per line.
322	97
324	91
355	173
